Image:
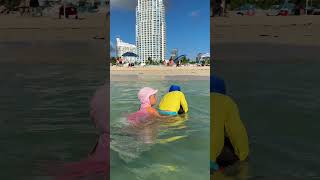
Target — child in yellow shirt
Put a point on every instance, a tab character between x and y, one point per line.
174	102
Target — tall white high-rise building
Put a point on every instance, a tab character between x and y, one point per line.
151	30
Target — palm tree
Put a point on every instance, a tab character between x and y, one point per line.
149	61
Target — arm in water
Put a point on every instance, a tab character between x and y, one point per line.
155	113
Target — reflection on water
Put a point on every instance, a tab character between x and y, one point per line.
279	104
165	148
130	142
45	118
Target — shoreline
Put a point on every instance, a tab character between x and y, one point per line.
184	73
265	39
25	28
265	52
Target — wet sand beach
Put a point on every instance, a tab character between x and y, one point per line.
159	73
265	38
25	28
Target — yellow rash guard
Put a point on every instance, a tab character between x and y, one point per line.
225	121
172	101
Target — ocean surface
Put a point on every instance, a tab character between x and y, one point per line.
279	104
44	107
162	151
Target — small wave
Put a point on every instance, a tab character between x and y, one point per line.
154	170
170	139
124	142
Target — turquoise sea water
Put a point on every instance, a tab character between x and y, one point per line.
175	150
279	104
44	110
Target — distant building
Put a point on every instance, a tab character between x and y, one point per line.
204	59
174	53
151	30
123	47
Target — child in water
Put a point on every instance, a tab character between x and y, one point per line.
147	97
173	103
229	138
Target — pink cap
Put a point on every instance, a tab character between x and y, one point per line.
145	93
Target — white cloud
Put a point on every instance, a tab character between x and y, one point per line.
195	13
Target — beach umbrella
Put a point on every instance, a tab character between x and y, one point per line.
178	58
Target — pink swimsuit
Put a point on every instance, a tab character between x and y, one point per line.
142	115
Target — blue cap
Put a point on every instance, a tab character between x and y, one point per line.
174	88
217	85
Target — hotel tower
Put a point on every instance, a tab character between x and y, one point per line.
151	30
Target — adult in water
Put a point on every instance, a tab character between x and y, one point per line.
229	139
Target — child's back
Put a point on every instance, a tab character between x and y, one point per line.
173	101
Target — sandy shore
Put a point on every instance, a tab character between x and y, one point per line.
294	30
265	38
25	39
14	27
159	73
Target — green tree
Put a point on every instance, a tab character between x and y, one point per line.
208	61
155	63
137	63
184	60
149	62
113	61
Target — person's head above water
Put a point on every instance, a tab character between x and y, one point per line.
146	96
174	88
217	85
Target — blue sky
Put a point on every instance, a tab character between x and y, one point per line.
188	25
